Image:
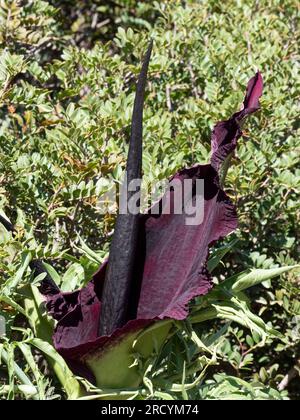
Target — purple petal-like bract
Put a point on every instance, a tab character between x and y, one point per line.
172	259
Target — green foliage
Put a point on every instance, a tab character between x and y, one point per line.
66	93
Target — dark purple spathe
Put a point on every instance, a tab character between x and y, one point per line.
171	263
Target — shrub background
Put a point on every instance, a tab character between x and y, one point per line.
67	76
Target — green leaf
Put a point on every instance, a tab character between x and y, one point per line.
68	380
73	278
26	350
217	256
13	282
7	355
258	276
239	312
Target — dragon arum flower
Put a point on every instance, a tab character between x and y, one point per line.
156	265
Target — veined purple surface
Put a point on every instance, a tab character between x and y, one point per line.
172	255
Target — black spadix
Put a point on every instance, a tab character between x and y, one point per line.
119	272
